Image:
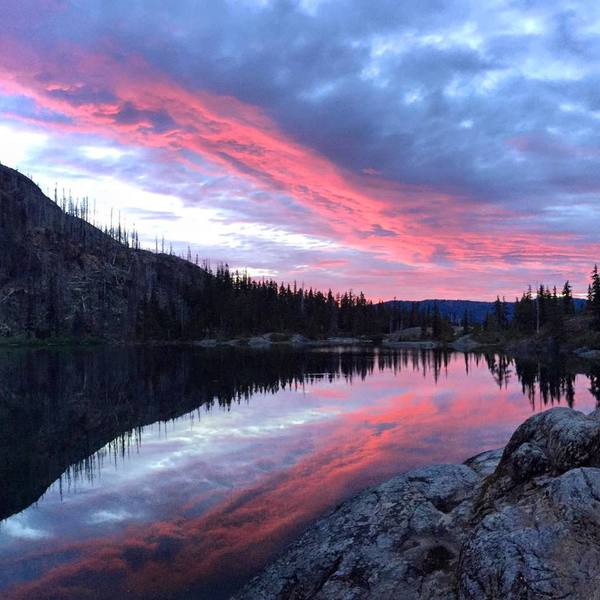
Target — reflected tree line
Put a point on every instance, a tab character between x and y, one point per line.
63	414
544	383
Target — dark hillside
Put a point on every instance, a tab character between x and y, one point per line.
61	276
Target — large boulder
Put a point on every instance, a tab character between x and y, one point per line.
520	523
536	526
401	539
544	545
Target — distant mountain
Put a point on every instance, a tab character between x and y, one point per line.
455	309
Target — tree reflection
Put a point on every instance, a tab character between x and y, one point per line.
64	414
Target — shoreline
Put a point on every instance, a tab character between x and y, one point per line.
524	348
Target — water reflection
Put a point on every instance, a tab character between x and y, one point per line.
209	483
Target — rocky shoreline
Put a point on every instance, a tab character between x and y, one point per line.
396	340
582	356
462	344
522	522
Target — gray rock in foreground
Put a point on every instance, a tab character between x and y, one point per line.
519	523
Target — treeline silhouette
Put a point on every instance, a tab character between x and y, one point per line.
64	273
546	309
233	303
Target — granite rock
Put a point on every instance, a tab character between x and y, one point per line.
523	522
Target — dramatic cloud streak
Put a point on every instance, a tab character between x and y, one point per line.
405	150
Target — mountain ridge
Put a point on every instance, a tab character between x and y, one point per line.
476	310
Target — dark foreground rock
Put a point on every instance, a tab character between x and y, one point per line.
519	523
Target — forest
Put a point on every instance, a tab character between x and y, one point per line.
235	304
65	275
546	310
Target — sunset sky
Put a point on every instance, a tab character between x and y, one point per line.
410	149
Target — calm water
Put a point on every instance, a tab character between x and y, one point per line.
173	473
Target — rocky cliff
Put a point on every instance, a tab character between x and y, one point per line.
61	276
523	523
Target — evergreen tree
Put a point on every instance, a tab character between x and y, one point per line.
500	313
595	287
594	299
525	313
568	307
555	314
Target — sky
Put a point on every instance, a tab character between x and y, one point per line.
409	149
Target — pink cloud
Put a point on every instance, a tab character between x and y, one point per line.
422	229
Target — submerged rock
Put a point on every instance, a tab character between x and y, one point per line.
418	345
519	523
465	343
591	354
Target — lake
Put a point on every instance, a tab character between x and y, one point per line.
180	472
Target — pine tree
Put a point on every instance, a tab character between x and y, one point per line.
500	311
525	313
595	287
567	299
465	322
594	299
